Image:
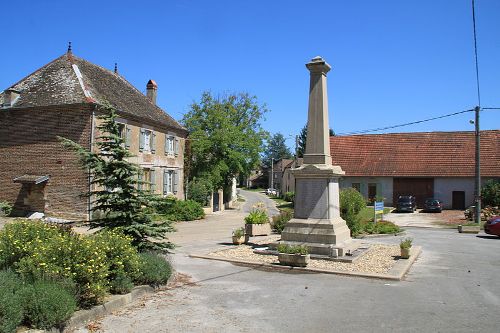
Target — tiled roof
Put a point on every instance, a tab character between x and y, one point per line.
72	80
424	154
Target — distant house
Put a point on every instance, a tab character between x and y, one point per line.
427	164
276	178
62	99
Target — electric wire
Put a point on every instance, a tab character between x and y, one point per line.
405	124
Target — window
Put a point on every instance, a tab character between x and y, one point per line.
147	180
356	186
124	134
147	141
171	145
170	181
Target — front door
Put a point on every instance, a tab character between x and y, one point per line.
216	202
458	200
372	192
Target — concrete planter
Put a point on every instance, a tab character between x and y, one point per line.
468	229
296	260
405	253
238	240
258	229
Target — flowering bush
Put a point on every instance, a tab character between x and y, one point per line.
40	251
258	215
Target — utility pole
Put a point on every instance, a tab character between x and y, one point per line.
477	187
272	173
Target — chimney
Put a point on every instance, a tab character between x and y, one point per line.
9	97
151	91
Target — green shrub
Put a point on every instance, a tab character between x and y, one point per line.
490	193
292	249
258	215
289	196
162	205
11	302
155	270
351	202
381	227
354	223
46	304
279	221
185	210
240	232
200	190
121	283
406	243
5	208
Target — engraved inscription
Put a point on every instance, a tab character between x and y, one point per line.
313	203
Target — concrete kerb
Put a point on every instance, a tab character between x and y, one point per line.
115	302
397	272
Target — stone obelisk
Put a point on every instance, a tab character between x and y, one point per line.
317	223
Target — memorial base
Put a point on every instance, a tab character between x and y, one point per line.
321	236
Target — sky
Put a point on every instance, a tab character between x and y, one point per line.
393	62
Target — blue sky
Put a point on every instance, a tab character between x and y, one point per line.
393	61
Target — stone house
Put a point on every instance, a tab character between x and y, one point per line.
279	167
423	164
62	98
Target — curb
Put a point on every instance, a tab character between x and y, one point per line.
81	317
396	273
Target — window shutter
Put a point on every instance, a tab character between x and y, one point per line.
176	146
153	180
141	139
165	188
176	181
166	144
153	142
127	136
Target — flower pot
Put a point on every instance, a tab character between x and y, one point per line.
238	240
296	260
405	253
258	229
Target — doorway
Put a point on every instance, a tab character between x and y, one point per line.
458	200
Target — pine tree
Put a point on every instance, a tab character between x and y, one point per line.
117	201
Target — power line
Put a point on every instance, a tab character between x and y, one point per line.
475	53
405	124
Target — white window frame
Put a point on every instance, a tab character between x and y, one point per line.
169	145
168	184
148	136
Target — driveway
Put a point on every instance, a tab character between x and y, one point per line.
444	219
453	287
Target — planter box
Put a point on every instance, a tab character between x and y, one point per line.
468	229
258	229
238	240
405	253
296	260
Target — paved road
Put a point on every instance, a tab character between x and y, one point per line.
453	287
252	198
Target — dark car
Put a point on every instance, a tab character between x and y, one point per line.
406	203
433	205
492	226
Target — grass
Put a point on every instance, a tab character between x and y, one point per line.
366	214
283	205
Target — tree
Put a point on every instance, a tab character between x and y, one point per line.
117	202
490	193
301	149
226	137
276	149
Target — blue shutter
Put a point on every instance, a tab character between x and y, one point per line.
141	139
139	177
153	142
153	180
166	144
176	181
127	136
165	175
176	146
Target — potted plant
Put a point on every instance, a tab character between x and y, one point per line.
405	246
257	222
293	255
239	236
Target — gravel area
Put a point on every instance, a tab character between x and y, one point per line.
378	259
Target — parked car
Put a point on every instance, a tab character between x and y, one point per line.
492	226
406	203
271	191
433	205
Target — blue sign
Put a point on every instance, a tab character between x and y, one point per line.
379	207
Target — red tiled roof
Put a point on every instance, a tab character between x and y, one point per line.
421	154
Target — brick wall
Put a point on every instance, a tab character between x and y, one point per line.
29	145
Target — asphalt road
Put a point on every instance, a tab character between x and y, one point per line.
453	287
252	198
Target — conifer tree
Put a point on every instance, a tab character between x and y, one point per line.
117	202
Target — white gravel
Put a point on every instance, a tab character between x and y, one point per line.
378	259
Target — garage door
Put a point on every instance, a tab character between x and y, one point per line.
421	188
